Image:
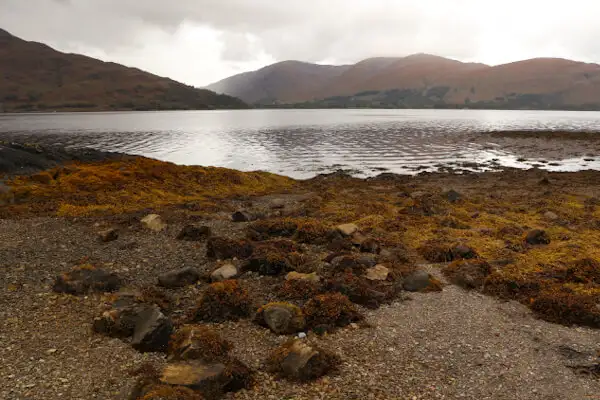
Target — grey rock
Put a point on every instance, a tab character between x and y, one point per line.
179	278
416	281
152	330
283	319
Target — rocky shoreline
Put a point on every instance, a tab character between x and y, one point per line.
129	278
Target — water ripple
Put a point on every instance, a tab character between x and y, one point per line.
300	143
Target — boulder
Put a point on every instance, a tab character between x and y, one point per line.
153	222
377	273
537	237
297	360
152	330
86	279
297	276
281	318
108	235
417	281
179	278
224	273
347	229
192	233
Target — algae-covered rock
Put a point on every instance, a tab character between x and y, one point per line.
85	279
300	361
192	233
198	342
223	301
281	318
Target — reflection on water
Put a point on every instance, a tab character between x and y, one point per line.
300	143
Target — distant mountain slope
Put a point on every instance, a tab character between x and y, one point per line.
35	77
289	80
423	80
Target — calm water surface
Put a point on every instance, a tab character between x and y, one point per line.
299	143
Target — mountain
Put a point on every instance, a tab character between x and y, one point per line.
422	80
289	80
35	77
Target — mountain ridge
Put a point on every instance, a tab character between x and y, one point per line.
426	80
36	77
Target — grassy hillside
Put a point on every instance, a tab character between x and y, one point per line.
35	77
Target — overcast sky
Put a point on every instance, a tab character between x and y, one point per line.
201	41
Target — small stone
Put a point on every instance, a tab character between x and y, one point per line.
462	251
370	246
277	204
153	222
192	233
302	335
417	281
224	272
108	235
179	278
452	196
241	216
6	195
51	351
377	273
549	215
347	229
152	331
536	237
297	276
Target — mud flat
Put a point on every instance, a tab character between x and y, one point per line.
134	278
543	145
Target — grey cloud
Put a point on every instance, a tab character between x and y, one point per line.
310	30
